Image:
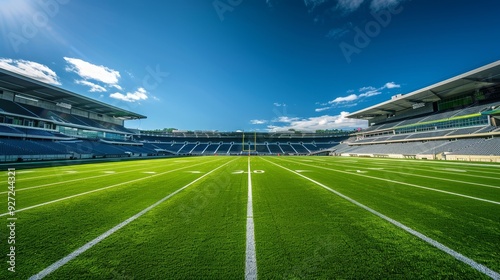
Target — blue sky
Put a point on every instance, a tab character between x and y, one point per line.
248	65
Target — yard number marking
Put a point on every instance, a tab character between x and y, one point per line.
246	172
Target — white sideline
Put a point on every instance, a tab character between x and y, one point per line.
96	190
76	180
439	178
64	169
479	267
450	180
63	182
250	257
403	183
90	244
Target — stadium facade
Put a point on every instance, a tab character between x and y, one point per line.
454	119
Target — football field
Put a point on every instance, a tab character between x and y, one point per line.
254	217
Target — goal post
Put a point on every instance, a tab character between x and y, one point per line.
249	145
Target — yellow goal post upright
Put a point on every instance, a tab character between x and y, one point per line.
249	146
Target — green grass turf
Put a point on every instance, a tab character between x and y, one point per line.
55	187
301	229
198	233
317	234
468	226
57	229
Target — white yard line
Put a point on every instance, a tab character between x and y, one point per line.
466	173
250	257
90	168
80	179
64	182
436	170
401	183
445	179
438	178
96	190
90	244
470	164
479	267
83	169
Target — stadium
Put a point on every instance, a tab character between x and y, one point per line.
456	119
414	195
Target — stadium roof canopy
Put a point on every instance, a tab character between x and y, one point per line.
34	89
485	76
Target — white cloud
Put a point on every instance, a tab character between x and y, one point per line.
91	71
322	109
370	93
279	104
320	123
93	87
285	119
391	85
367	88
258	121
363	92
348	98
378	5
118	87
138	95
349	5
30	69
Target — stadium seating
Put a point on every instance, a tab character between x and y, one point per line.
275	149
300	149
453	131
223	149
8	130
15	108
186	148
381	139
211	149
262	149
489	146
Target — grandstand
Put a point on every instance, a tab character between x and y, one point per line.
236	143
39	121
42	122
455	119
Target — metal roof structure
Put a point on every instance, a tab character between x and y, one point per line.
31	88
485	76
